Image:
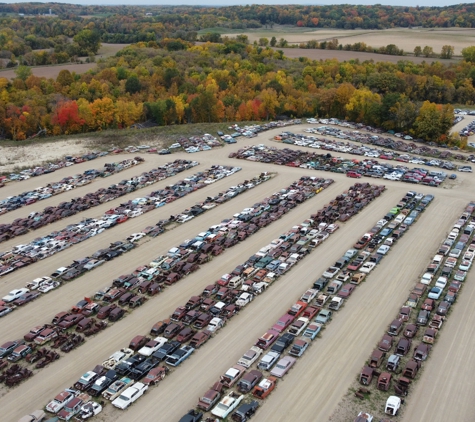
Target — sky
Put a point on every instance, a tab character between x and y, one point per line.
439	3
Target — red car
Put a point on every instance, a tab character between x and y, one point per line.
70	321
346	290
155	375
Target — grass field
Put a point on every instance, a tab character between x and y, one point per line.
403	38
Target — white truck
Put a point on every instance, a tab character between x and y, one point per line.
393	404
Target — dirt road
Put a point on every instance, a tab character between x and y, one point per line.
314	387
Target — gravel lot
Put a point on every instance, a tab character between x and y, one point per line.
315	386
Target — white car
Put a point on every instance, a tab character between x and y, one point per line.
441	282
37	282
135	236
215	324
367	267
117	357
465	265
93	263
383	250
152	346
250	356
48	286
89	409
427	278
227	404
59	272
14	294
244	299
130	395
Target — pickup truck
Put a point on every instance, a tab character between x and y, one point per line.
334	287
264	388
297	308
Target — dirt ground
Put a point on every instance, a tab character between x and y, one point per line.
313	389
34	155
51	71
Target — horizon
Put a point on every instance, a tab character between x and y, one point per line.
226	3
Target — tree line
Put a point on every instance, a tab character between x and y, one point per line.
175	82
72	31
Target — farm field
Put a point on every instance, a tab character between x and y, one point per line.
106	50
314	388
403	38
316	54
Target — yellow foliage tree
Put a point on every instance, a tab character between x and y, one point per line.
360	104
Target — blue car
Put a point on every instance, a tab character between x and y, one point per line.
312	330
179	355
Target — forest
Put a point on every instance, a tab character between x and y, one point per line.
168	79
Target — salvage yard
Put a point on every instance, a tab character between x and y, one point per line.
314	387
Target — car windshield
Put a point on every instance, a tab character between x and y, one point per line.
222	406
124	398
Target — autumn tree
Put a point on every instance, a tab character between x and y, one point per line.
132	85
88	40
127	113
447	52
417	51
66	116
103	111
269	102
263	42
23	72
16	121
468	54
433	121
360	104
428	51
402	114
64	77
